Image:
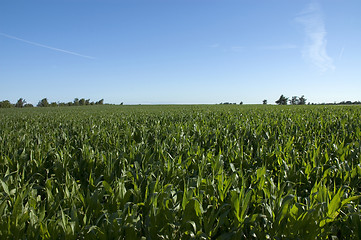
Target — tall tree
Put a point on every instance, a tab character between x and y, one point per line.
282	100
100	102
43	103
302	100
76	101
265	102
20	103
82	102
294	100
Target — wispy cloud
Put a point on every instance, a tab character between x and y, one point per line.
237	49
215	45
226	48
45	46
280	47
341	53
316	41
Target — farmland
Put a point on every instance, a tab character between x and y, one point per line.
180	172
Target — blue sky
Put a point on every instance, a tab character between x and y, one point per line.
180	51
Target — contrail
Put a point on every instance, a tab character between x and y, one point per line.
45	46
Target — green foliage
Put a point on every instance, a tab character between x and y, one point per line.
5	104
28	105
20	103
180	172
100	102
298	101
282	100
302	100
43	103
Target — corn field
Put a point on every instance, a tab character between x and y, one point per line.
181	172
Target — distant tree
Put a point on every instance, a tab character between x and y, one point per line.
282	100
92	103
241	103
76	102
82	102
294	100
5	104
28	105
302	100
43	103
20	103
100	102
87	102
53	104
121	103
265	102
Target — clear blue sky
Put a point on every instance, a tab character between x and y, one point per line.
180	51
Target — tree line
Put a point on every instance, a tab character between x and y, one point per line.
45	103
283	100
302	101
295	100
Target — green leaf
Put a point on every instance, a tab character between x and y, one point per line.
193	224
245	204
108	188
335	204
284	207
5	187
353	198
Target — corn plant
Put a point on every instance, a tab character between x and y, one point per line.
180	172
